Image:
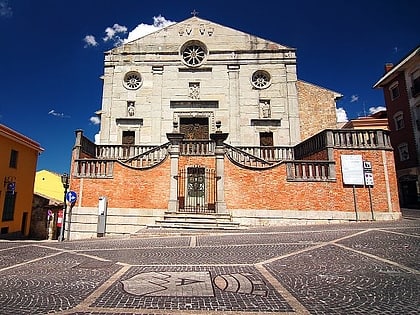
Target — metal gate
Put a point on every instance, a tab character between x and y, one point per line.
197	190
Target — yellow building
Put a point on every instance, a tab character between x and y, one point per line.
48	201
18	159
48	184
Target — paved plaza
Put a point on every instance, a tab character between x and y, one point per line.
351	268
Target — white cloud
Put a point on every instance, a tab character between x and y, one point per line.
95	120
97	141
354	98
116	33
341	115
113	34
5	9
52	112
145	29
373	110
90	41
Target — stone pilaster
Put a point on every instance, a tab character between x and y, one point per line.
219	138
174	150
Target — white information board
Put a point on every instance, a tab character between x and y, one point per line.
352	169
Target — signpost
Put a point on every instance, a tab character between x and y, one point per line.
71	196
352	169
367	169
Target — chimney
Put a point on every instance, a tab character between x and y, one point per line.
388	66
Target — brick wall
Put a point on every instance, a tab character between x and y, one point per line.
268	189
316	109
129	188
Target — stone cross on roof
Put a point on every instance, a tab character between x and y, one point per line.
194	13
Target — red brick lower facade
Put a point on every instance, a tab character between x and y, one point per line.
266	194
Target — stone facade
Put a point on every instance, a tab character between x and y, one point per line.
201	119
247	83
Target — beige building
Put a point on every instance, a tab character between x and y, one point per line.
204	126
197	72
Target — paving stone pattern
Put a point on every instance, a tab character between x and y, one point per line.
354	268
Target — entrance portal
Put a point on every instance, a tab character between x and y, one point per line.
197	190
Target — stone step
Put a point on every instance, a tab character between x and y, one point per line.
199	221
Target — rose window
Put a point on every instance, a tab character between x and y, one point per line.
132	80
193	54
261	79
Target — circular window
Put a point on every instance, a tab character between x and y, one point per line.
132	80
193	54
261	79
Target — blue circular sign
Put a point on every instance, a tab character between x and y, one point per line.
71	196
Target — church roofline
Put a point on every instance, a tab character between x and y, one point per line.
195	18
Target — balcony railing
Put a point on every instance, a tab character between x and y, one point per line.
247	160
121	152
197	147
272	154
343	138
93	168
310	170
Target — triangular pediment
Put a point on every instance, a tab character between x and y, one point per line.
215	36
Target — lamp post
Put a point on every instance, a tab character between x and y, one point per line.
65	182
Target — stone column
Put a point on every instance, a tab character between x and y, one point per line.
219	137
174	150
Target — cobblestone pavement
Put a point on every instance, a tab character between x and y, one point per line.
353	268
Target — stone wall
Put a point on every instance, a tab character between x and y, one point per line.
317	109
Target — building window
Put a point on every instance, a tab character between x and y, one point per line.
399	121
261	79
13	159
403	151
415	83
132	80
128	138
193	53
9	206
395	91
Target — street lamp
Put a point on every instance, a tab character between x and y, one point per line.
65	182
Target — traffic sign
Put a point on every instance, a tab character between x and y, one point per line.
71	196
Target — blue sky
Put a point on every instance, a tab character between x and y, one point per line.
50	70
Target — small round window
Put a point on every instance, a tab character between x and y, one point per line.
261	79
193	53
132	80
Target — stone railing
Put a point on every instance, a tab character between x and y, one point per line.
147	159
360	138
247	160
310	170
272	154
93	168
343	138
197	147
121	152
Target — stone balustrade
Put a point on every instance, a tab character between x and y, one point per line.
310	170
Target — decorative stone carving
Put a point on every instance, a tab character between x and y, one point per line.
130	108
265	109
194	90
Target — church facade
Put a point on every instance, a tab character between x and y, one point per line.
203	124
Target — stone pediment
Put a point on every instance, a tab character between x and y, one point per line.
216	37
